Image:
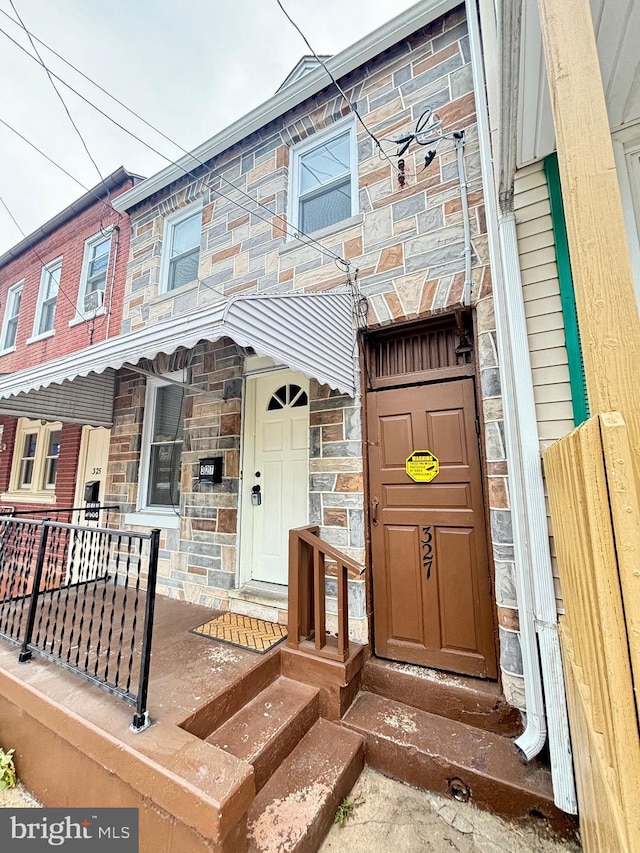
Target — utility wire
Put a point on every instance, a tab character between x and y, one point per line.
44	263
104	200
381	152
285	227
46	156
57	91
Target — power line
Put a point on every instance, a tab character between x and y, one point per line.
285	227
58	93
46	156
90	331
381	152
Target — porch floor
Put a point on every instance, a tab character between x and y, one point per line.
194	783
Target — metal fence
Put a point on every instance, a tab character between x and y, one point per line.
83	597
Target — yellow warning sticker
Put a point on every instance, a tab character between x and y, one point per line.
422	466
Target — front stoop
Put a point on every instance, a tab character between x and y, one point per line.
266	730
467	700
295	809
453	758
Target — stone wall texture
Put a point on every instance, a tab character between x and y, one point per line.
407	245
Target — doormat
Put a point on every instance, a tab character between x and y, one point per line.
256	635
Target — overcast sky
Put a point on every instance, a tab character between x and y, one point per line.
190	67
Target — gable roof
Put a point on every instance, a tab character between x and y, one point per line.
293	95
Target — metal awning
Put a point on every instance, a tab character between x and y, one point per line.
309	332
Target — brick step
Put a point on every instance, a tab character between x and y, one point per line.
295	809
454	759
466	700
268	727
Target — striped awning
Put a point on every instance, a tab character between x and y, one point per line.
309	332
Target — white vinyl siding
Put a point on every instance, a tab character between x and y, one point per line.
543	310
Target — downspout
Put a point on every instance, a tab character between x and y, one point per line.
536	596
458	144
116	228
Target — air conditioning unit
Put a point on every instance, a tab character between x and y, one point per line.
93	301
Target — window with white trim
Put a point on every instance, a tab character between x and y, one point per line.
161	455
324	184
11	314
34	468
95	266
181	248
47	298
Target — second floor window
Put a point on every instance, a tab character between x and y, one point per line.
11	314
182	249
324	187
94	273
49	285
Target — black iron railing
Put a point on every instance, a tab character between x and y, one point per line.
89	512
83	597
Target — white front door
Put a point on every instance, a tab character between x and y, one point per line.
92	469
275	471
85	561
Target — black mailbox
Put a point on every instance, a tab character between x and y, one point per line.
92	500
210	470
92	491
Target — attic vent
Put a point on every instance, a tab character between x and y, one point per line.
304	66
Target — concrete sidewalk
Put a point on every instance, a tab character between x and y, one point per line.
391	816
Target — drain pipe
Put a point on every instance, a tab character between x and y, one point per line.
538	617
458	144
534	736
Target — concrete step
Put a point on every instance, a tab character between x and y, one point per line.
222	706
467	700
269	726
295	809
454	759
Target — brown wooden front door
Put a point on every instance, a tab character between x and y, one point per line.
431	585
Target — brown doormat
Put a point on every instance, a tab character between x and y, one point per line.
243	631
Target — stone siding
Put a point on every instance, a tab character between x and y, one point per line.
407	245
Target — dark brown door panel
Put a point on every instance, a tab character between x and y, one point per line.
431	587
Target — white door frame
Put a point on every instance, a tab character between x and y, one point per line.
254	366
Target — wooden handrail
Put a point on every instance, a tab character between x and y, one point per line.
307	612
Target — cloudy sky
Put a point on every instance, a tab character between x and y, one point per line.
191	68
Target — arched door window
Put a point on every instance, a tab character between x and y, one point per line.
288	395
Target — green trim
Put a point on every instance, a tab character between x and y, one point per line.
567	297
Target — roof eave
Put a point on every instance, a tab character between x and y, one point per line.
310	84
111	182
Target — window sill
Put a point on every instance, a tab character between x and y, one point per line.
7	350
41	337
29	497
152	518
84	318
329	231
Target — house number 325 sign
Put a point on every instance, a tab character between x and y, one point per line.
422	466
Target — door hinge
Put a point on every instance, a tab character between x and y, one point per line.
478	427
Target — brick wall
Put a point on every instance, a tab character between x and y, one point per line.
67	241
70	439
